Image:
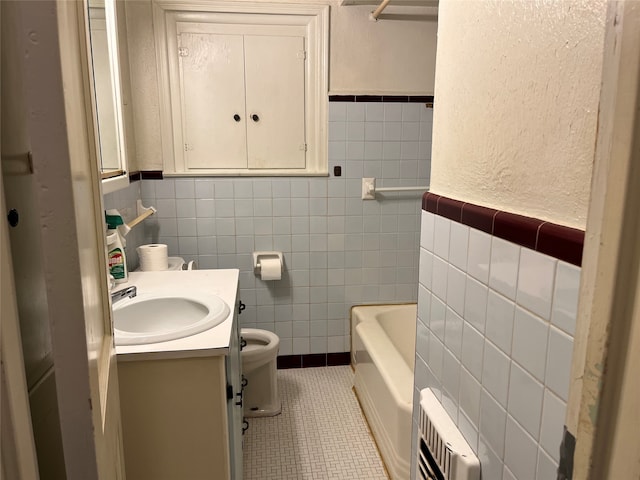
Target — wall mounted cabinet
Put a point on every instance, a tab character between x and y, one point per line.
243	88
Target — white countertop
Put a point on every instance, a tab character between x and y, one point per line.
215	341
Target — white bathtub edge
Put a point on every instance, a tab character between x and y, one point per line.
383	382
396	466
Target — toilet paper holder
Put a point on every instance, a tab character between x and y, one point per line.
257	256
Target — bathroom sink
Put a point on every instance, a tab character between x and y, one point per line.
149	318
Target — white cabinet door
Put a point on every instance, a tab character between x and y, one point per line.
275	79
213	108
227	59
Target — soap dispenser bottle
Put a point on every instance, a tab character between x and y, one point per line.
115	246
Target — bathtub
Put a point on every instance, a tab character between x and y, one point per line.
383	341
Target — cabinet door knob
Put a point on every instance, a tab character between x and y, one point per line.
255	118
236	117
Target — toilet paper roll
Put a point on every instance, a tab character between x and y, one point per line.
153	257
270	268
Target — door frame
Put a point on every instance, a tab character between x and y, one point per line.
59	123
19	459
602	409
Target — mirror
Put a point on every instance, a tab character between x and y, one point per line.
105	69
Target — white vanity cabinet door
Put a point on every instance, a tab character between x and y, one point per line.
213	100
275	79
174	418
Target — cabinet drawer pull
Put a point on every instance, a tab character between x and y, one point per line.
255	118
236	117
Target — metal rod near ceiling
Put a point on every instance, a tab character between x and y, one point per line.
376	13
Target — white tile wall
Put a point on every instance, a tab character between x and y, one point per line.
495	373
475	303
546	466
559	362
535	282
479	256
493	421
440	271
472	350
565	304
459	245
470	390
553	413
453	333
499	324
503	273
520	452
492	466
517	309
456	285
529	346
525	400
442	231
338	250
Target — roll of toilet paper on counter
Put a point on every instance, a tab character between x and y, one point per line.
153	257
270	268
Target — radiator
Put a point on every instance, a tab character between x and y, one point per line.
443	453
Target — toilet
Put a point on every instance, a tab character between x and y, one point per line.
260	397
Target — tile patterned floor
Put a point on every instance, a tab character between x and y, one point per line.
321	433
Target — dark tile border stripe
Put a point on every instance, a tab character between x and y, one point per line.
314	360
517	229
134	176
342	98
289	361
449	208
480	218
336	359
382	98
563	243
151	175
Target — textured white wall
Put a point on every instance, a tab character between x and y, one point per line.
385	57
517	91
144	85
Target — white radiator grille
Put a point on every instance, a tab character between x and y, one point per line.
443	453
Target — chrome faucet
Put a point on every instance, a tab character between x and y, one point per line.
128	292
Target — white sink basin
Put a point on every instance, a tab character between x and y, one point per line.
157	318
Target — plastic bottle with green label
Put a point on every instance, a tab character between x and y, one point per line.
116	256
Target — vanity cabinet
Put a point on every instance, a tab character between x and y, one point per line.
242	88
182	408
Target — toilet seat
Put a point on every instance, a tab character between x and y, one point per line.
262	347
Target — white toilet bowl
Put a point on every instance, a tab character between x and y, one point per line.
259	356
